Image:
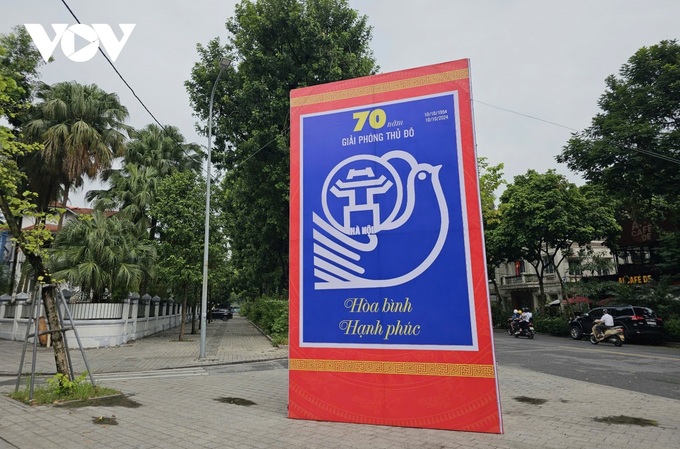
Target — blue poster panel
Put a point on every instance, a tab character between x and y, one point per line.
383	241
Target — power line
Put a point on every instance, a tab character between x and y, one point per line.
653	154
526	115
118	73
131	89
647	152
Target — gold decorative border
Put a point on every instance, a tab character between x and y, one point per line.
407	83
377	367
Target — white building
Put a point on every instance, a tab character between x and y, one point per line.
518	282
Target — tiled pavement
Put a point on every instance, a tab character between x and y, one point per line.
233	341
180	408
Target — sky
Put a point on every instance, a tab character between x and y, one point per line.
538	67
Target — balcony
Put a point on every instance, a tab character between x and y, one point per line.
527	280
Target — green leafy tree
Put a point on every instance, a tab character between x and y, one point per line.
490	180
20	60
181	230
275	46
17	202
152	153
632	148
543	215
102	252
82	129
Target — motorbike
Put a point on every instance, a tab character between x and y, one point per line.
612	335
527	331
513	325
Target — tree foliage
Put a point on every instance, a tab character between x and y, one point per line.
632	147
275	46
543	215
180	197
152	154
101	252
17	202
490	179
20	61
82	129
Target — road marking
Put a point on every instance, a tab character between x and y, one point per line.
627	354
588	348
155	374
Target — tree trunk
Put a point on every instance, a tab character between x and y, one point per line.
48	298
67	189
194	306
60	356
13	275
184	315
497	293
193	319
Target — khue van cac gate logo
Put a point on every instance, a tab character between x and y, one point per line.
95	34
352	229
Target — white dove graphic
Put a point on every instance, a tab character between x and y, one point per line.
338	247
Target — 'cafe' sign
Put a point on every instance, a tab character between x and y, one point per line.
641	232
637	279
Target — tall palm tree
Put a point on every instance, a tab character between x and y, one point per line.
82	128
152	154
102	252
131	191
164	149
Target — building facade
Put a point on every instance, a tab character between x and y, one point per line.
518	282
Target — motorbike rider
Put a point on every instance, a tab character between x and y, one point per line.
524	320
606	322
514	320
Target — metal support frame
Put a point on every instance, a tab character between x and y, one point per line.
34	318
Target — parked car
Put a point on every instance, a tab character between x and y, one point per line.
637	322
222	313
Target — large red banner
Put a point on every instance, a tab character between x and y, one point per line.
389	310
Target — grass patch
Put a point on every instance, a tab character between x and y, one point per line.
62	389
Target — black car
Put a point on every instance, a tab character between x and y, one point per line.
221	313
636	321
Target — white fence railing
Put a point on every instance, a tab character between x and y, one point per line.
98	324
96	311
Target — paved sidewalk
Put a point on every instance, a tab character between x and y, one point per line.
233	341
185	408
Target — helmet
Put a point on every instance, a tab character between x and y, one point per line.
604	311
515	311
519	310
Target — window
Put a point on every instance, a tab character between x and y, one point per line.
602	271
575	268
519	267
548	264
620	312
595	314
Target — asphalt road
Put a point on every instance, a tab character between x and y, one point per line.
644	368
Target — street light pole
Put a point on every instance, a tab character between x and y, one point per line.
224	63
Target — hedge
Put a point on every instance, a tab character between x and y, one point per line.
271	315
